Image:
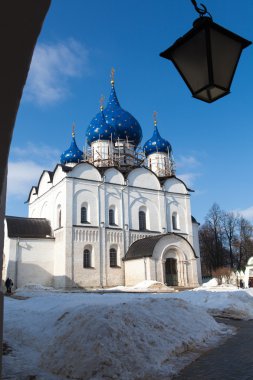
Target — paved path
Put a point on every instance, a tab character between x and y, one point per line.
232	360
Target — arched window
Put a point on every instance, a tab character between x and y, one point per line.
175	223
84	215
142	220
86	259
111	217
59	217
113	257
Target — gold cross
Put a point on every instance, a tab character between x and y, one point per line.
155	117
112	75
73	129
101	100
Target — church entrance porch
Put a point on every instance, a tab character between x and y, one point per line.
167	258
171	278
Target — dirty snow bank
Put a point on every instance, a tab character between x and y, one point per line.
135	340
94	336
213	284
147	285
229	303
28	288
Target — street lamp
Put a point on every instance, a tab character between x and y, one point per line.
206	57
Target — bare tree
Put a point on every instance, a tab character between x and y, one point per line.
214	220
226	240
222	273
230	223
243	243
207	249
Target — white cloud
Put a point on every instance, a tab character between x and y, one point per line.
42	153
23	172
21	176
187	166
52	65
188	178
247	213
187	162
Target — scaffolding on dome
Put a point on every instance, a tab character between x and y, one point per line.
122	155
125	156
162	169
166	170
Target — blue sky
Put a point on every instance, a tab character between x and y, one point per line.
79	44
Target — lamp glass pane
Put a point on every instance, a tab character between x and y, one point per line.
191	60
210	94
225	54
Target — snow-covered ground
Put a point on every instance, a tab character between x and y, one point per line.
127	336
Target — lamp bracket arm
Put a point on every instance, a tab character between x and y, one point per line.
201	11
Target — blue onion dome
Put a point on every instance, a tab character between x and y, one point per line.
127	127
73	154
99	129
156	143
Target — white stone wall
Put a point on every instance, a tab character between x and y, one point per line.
113	176
114	275
143	192
175	185
85	194
59	259
147	201
143	179
84	186
195	231
112	199
86	238
98	241
176	204
9	258
59	174
33	194
30	261
135	271
44	183
46	205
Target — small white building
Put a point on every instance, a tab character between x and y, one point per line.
113	215
248	275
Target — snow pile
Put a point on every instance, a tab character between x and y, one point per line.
232	303
249	291
212	282
151	285
93	336
135	340
28	289
58	336
144	286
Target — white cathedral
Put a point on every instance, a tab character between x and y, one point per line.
112	215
